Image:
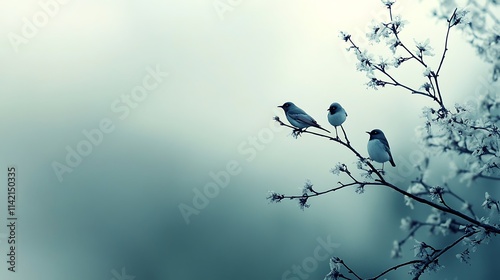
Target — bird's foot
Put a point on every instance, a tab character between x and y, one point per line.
296	132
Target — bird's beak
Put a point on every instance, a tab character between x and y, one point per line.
367	132
280	106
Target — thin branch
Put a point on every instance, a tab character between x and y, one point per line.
444	209
441	252
350	270
394	268
441	199
394	31
446	41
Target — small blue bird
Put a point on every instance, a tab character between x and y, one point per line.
298	118
336	116
378	148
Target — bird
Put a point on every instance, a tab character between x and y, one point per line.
298	118
378	148
337	116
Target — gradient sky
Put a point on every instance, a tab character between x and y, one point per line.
119	206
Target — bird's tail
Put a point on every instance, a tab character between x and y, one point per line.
323	129
392	162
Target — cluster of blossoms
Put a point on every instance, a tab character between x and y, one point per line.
471	134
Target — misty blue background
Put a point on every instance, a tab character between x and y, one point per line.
119	207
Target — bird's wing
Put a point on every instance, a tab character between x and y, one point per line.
304	118
388	150
383	140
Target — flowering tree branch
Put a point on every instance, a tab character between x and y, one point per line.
480	28
467	132
309	192
390	32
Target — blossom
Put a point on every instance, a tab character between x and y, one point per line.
420	249
396	250
459	17
388	3
444	228
427	72
360	189
393	44
489	202
423	48
275	197
339	167
334	273
464	257
307	188
436	192
426	86
365	62
344	36
397	24
407	224
417	189
303	202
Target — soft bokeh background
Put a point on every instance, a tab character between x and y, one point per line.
120	206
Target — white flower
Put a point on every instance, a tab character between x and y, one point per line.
460	17
426	86
436	192
427	72
472	244
423	48
465	206
483	236
344	36
377	30
388	3
365	62
464	257
420	250
340	167
334	273
393	44
444	228
407	224
398	23
416	188
433	218
489	202
396	250
307	187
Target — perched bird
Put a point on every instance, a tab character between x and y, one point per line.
298	118
337	116
378	147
